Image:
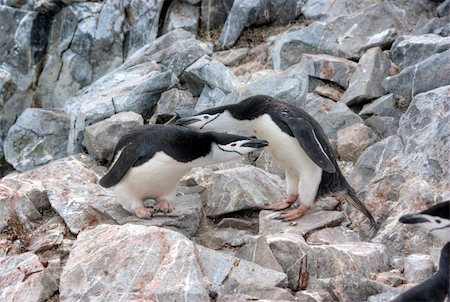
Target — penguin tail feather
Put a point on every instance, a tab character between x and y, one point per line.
352	199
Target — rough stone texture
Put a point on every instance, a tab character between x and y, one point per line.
230	57
382	106
426	75
352	141
444	9
338	234
383	126
214	13
266	162
38	137
418	268
48	236
259	252
323	9
25	278
236	292
80	51
345	36
312	220
206	71
181	15
326	67
241	188
219	238
410	50
172	269
173	102
328	92
365	82
101	138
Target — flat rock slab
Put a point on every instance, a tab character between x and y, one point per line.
134	262
311	221
338	234
24	278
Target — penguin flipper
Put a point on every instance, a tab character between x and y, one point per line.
128	156
307	138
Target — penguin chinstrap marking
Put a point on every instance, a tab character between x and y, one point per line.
436	220
435	288
296	141
150	160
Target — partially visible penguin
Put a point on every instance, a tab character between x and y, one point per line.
436	220
296	141
150	160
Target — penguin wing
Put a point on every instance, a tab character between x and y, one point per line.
127	157
307	138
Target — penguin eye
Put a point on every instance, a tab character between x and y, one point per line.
438	221
233	145
206	117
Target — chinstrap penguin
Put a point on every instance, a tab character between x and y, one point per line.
150	160
296	141
436	220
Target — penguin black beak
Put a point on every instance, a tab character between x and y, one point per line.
412	219
186	121
256	143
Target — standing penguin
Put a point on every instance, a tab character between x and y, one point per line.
296	141
150	160
435	220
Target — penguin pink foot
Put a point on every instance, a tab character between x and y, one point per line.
286	203
143	213
294	214
163	205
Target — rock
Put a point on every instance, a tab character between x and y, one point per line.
241	188
418	268
424	76
384	297
382	106
22	50
328	92
181	15
311	221
48	236
423	128
218	238
214	13
173	268
127	89
259	252
25	278
100	139
397	262
353	287
173	102
332	235
352	141
330	115
391	278
266	162
206	71
443	9
326	67
326	9
38	137
230	57
345	36
365	82
383	126
237	223
410	50
235	292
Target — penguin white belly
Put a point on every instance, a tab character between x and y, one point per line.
156	178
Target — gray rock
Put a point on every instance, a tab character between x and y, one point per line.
418	268
214	74
326	67
241	188
382	106
337	234
444	9
391	278
181	15
223	237
214	13
237	223
329	92
48	236
410	50
426	75
173	102
346	36
353	140
230	57
266	162
365	82
259	252
383	126
433	25
38	137
126	89
25	278
354	287
236	292
327	9
100	139
384	297
311	221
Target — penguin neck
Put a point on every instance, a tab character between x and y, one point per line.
215	156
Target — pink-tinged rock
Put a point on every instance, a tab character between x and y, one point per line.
353	140
418	268
337	234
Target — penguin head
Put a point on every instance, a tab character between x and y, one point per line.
435	220
215	119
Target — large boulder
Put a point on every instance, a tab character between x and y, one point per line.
181	15
214	13
38	137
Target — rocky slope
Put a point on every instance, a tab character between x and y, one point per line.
75	76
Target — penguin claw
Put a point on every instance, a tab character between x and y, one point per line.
294	214
143	213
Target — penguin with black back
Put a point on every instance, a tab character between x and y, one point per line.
150	160
296	141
